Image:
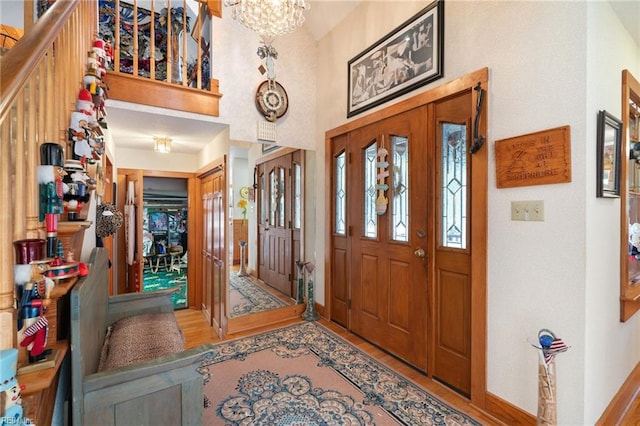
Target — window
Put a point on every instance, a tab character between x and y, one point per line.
341	194
370	174
453	208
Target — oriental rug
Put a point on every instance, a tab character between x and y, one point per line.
247	297
305	374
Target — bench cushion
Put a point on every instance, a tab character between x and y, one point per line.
140	338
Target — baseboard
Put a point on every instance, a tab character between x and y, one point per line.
507	412
622	401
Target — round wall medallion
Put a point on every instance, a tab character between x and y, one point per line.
271	100
244	192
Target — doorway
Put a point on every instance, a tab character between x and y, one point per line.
407	233
165	237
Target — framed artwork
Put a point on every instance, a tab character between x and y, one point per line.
269	147
608	155
410	56
158	222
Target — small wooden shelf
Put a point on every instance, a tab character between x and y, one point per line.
71	233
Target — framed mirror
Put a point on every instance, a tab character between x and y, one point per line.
608	155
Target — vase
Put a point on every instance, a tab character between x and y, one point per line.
300	293
243	271
310	314
547	403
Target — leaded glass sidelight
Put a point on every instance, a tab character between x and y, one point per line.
297	195
263	207
370	218
273	199
281	194
400	185
341	194
453	208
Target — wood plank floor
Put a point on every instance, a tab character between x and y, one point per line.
197	332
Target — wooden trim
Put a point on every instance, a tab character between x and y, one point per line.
622	401
507	412
128	88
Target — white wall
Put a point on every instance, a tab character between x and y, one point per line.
236	67
612	348
537	274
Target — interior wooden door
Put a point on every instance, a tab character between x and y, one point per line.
390	241
207	248
274	227
219	247
452	267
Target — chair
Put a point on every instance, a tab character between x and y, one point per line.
176	258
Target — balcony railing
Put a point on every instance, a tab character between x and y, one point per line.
167	41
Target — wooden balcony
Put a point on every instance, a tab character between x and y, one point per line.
139	90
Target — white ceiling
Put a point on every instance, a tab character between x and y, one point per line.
135	128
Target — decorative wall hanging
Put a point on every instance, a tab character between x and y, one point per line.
608	155
410	56
538	158
271	98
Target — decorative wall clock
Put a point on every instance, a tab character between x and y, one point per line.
272	100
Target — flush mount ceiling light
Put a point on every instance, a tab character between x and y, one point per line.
268	18
163	145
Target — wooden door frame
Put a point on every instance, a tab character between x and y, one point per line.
478	186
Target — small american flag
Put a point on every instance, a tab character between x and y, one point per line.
556	347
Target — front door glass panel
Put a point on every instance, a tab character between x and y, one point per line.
453	207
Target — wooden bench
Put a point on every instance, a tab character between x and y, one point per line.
165	390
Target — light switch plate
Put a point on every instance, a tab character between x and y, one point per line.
528	211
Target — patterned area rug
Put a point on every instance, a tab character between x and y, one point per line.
247	297
162	280
304	374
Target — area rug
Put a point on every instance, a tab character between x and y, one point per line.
305	374
247	297
163	280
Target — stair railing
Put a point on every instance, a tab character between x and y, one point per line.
40	78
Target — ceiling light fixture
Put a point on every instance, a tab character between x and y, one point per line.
163	145
268	18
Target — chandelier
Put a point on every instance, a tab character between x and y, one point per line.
163	145
268	18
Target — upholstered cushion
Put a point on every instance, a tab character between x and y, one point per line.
140	338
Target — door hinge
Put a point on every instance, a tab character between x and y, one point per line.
289	277
350	231
349	158
348	303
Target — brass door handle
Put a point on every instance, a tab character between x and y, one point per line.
419	252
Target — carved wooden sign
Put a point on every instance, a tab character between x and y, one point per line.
538	158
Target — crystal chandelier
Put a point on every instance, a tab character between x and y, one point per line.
268	18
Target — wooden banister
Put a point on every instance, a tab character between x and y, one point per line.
17	65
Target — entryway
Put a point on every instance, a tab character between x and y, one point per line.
408	228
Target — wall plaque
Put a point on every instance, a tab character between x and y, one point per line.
538	158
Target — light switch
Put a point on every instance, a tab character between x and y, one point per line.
528	211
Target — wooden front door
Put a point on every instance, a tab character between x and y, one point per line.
401	248
389	228
275	226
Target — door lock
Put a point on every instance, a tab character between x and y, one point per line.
419	252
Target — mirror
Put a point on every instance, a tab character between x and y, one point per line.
255	199
608	154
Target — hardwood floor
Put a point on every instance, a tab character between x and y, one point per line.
197	332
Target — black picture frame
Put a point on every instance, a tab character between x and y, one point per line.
608	155
410	56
